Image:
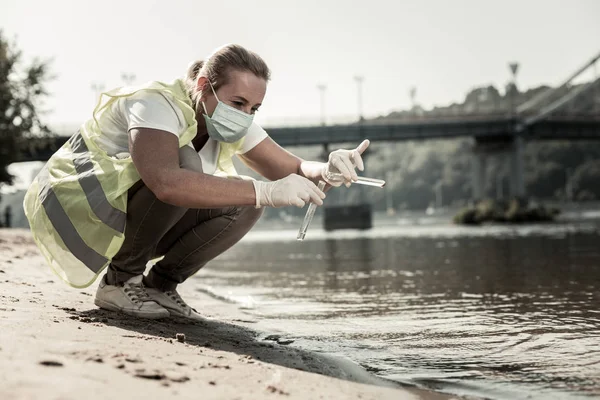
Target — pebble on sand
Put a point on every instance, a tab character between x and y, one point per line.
51	363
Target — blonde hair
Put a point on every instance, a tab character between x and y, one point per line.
218	65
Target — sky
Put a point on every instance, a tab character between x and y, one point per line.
443	48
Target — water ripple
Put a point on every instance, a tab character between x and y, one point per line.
509	312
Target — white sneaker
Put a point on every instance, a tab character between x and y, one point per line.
131	299
172	301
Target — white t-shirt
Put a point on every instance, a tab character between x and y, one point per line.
154	110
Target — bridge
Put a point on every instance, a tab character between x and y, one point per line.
567	112
574	127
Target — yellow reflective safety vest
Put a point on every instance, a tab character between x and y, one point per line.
77	204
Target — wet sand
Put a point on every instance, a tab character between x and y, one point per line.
56	344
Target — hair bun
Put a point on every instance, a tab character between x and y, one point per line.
194	70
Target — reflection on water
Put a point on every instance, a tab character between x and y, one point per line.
506	317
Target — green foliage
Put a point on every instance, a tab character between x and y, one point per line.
547	179
586	180
417	171
414	169
551	165
21	91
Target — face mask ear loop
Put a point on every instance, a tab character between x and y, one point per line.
215	93
213	90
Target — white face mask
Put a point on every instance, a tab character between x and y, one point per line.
227	124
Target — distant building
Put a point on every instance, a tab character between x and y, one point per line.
14	202
11	197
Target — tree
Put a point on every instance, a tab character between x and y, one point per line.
21	92
585	180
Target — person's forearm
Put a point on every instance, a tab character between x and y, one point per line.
190	189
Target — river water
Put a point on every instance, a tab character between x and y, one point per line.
497	312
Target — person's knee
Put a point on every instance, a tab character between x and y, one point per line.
189	159
249	215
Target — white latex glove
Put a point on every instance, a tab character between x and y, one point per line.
293	190
340	167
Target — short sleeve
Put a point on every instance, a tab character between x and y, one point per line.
146	109
255	135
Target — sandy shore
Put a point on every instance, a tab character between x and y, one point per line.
56	344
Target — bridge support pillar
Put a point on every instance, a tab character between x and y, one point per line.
478	174
324	155
517	180
506	150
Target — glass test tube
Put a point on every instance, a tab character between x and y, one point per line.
370	182
338	177
310	213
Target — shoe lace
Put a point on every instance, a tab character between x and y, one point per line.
137	292
177	299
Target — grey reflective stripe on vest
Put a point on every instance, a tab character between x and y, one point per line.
90	184
64	227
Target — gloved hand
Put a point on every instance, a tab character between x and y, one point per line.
340	167
293	190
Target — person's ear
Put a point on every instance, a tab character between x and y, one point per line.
202	86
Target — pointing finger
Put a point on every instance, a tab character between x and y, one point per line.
363	146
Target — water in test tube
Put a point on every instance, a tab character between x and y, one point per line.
310	213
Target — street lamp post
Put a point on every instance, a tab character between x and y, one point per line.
359	80
569	185
597	94
412	92
389	200
499	183
438	188
322	88
514	68
517	180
